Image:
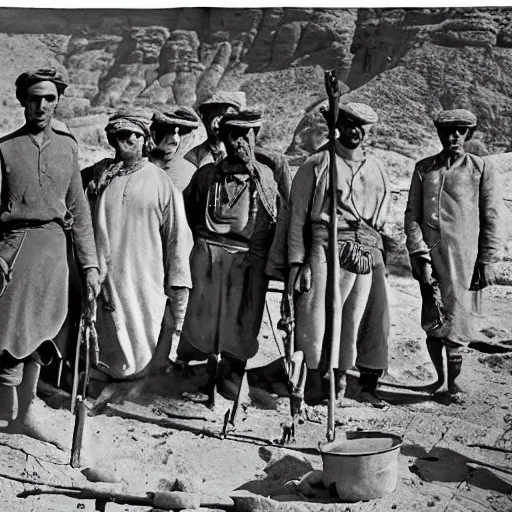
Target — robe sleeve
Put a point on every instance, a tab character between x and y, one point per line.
176	241
194	196
382	213
277	262
300	197
489	242
413	218
83	235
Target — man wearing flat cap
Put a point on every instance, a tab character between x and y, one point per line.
212	150
363	202
143	244
453	238
41	197
231	207
175	132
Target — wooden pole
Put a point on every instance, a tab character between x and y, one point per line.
333	268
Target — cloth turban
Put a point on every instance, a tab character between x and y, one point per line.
244	119
457	117
180	116
29	78
128	123
237	100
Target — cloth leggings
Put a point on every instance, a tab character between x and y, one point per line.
11	369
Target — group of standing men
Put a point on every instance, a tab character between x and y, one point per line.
178	240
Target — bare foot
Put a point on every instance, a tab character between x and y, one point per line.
41	424
436	386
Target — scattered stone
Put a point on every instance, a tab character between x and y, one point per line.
188	483
100	474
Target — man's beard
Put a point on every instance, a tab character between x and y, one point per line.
244	152
129	153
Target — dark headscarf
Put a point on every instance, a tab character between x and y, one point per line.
29	78
180	116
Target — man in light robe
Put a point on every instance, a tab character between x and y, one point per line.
175	132
453	237
363	202
143	244
231	207
41	197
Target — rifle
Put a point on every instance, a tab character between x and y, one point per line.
333	267
88	343
161	500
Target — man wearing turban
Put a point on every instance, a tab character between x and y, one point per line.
213	150
231	207
41	197
453	238
175	132
143	244
363	203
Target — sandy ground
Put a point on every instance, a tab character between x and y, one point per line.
432	466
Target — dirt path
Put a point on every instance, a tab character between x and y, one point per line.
433	472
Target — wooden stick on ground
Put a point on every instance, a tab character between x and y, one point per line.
489	447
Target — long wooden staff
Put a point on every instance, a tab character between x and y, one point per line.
333	267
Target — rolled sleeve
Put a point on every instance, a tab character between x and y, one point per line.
177	242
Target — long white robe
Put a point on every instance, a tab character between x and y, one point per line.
143	243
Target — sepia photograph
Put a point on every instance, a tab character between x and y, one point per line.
255	257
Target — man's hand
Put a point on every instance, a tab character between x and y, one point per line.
484	275
300	278
179	300
421	269
92	283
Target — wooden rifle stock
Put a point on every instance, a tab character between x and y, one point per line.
81	380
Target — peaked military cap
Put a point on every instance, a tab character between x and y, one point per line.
243	119
456	117
359	113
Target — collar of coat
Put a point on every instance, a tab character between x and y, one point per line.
263	178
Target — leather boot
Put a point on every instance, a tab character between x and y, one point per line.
454	357
435	351
315	389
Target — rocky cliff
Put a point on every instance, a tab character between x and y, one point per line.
407	63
